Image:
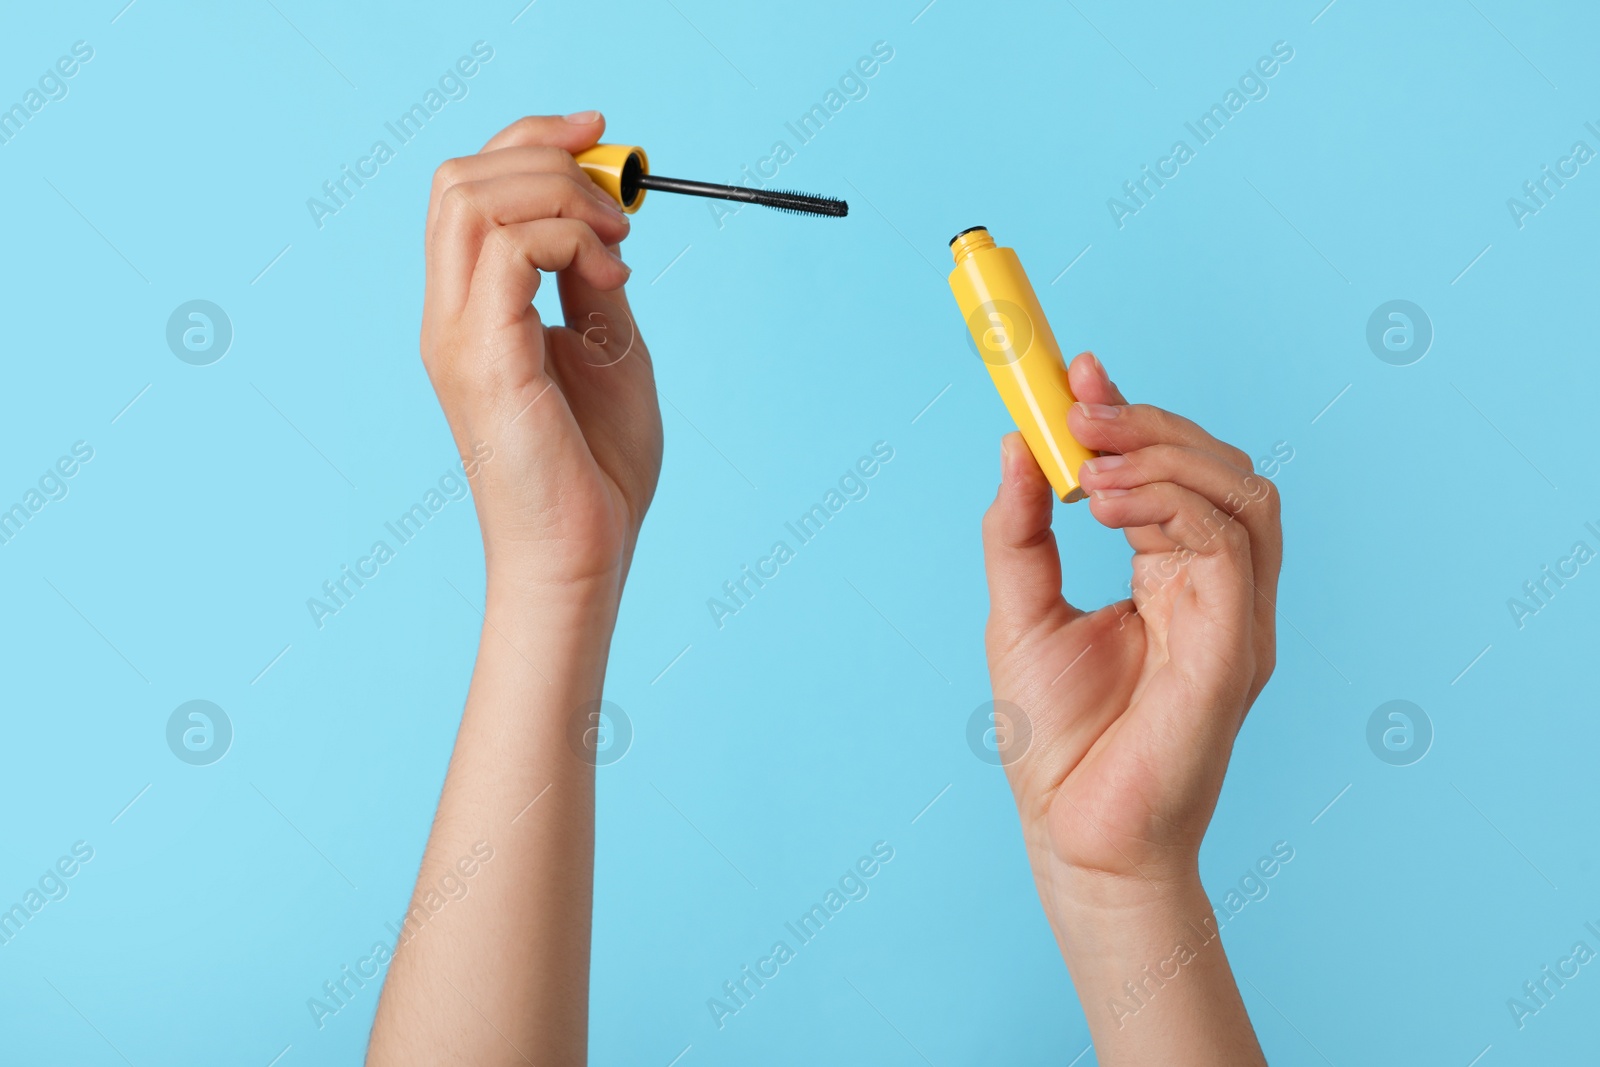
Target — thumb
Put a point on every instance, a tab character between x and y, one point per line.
1019	550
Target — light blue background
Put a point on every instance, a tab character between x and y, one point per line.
811	725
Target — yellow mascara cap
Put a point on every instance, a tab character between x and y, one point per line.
617	168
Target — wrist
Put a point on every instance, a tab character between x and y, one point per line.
1103	919
1093	910
513	580
1149	967
546	647
1090	893
554	611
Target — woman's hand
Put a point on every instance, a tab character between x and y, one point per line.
561	422
1130	711
1133	708
559	428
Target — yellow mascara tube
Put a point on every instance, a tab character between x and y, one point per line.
1015	342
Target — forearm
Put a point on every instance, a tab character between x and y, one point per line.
1150	971
500	975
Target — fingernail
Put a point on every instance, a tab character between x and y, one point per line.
603	198
1101	464
582	118
1099	411
1013	457
1101	367
621	264
1105	494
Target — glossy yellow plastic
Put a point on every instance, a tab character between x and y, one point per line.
1015	342
608	166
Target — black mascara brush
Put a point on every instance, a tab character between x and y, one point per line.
783	201
623	171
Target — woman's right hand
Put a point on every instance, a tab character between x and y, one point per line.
559	424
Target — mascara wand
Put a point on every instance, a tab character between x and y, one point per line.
797	202
623	171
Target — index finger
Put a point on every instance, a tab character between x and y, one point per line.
1090	383
574	132
1127	427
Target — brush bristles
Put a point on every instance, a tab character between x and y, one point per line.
802	203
